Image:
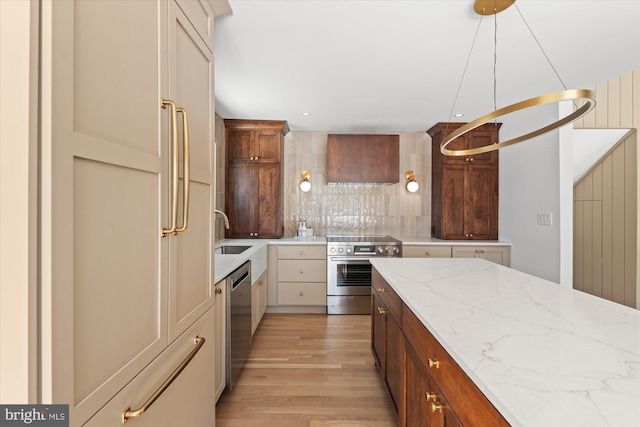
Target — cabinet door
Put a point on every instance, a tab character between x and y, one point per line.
453	202
254	307
240	206
395	362
191	86
238	145
378	331
103	263
482	138
269	217
499	255
481	202
418	409
220	338
262	297
267	146
465	251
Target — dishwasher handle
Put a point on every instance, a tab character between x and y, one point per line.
236	282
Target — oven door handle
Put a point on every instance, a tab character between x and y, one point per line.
350	259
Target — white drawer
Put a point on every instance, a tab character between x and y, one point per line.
302	252
302	270
426	251
302	293
188	401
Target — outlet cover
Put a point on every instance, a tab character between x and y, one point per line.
545	218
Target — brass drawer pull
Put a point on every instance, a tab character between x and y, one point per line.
301	271
382	311
301	252
260	283
186	170
436	406
434	363
430	396
218	291
381	290
174	166
301	294
128	413
428	253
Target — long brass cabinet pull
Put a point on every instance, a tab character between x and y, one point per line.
128	413
174	166
186	179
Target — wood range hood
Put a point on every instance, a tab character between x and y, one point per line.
366	158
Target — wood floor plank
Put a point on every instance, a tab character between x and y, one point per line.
309	370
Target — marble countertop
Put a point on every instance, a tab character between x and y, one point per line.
542	354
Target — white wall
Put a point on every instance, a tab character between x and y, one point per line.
529	184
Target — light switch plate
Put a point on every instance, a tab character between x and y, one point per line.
545	218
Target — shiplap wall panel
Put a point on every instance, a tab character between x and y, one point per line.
630	219
617	106
626	100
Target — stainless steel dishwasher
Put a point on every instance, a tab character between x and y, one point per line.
238	321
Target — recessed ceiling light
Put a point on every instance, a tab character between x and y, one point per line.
458	115
306	114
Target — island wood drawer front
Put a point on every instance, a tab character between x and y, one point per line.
302	252
302	293
466	399
302	271
426	251
388	295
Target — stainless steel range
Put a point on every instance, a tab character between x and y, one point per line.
349	270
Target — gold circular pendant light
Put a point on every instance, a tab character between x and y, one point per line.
587	95
492	7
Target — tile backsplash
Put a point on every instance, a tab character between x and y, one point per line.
352	209
365	209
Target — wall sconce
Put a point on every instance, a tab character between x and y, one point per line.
305	185
412	185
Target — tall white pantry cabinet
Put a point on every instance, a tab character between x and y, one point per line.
121	305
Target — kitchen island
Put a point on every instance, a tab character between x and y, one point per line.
542	355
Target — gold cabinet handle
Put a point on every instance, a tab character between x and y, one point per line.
174	166
481	251
255	234
218	291
186	179
430	396
260	283
301	294
381	290
434	363
428	253
477	251
301	271
128	413
436	406
470	234
301	252
255	158
382	311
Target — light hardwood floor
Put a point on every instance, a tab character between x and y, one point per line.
309	370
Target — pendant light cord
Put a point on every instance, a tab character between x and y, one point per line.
464	72
540	46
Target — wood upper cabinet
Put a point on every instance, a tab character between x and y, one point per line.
464	189
254	178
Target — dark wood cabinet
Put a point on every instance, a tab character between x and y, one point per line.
387	341
253	189
464	195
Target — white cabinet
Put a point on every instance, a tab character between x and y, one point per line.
220	337
258	301
302	275
498	254
115	293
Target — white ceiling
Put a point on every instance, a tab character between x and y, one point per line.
396	65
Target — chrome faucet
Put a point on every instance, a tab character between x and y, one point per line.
224	217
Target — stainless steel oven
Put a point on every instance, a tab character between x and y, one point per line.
349	270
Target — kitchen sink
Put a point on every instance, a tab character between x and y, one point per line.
230	249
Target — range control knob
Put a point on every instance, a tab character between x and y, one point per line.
348	250
380	250
396	250
340	250
388	250
333	250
